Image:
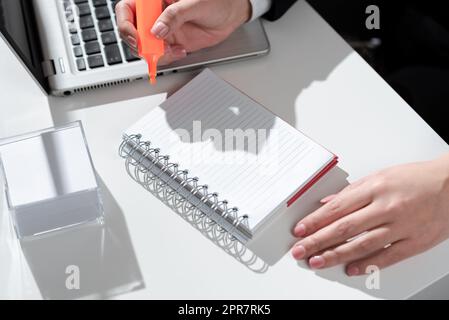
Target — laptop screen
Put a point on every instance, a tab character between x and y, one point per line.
17	26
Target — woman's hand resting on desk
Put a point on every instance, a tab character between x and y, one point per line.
186	25
396	213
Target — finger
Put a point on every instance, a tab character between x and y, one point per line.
134	52
344	203
340	231
328	199
348	188
132	46
126	20
384	258
174	16
172	54
356	249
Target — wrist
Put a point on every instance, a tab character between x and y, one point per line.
244	11
248	10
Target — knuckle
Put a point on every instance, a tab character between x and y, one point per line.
119	6
396	206
365	245
335	206
336	256
344	228
122	29
313	244
380	183
172	12
311	224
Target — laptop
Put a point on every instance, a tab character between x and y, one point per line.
73	46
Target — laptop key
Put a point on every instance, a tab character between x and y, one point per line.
67	4
78	51
80	1
105	25
69	16
95	61
129	55
72	28
75	39
108	38
92	47
98	3
81	64
89	35
84	9
113	55
102	12
86	22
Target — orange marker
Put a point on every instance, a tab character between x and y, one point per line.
150	48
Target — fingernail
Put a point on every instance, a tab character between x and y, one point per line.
317	262
298	252
300	230
160	30
131	41
353	271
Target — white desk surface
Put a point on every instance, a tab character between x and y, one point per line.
312	79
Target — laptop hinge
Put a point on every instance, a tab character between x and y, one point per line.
48	68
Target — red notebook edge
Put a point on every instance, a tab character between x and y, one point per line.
312	182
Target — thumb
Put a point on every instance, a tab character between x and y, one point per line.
174	16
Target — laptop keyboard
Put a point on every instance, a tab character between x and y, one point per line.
93	34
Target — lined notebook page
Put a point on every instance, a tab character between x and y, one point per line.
241	150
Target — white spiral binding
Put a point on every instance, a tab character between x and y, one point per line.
225	225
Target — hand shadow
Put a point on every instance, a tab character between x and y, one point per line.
102	254
213	111
276	239
298	58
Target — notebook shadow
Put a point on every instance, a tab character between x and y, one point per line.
86	262
297	60
276	239
207	227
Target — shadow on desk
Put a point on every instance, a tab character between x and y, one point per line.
304	50
103	255
365	283
276	239
201	222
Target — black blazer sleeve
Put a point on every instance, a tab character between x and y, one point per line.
278	8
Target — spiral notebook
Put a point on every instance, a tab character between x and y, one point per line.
214	152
